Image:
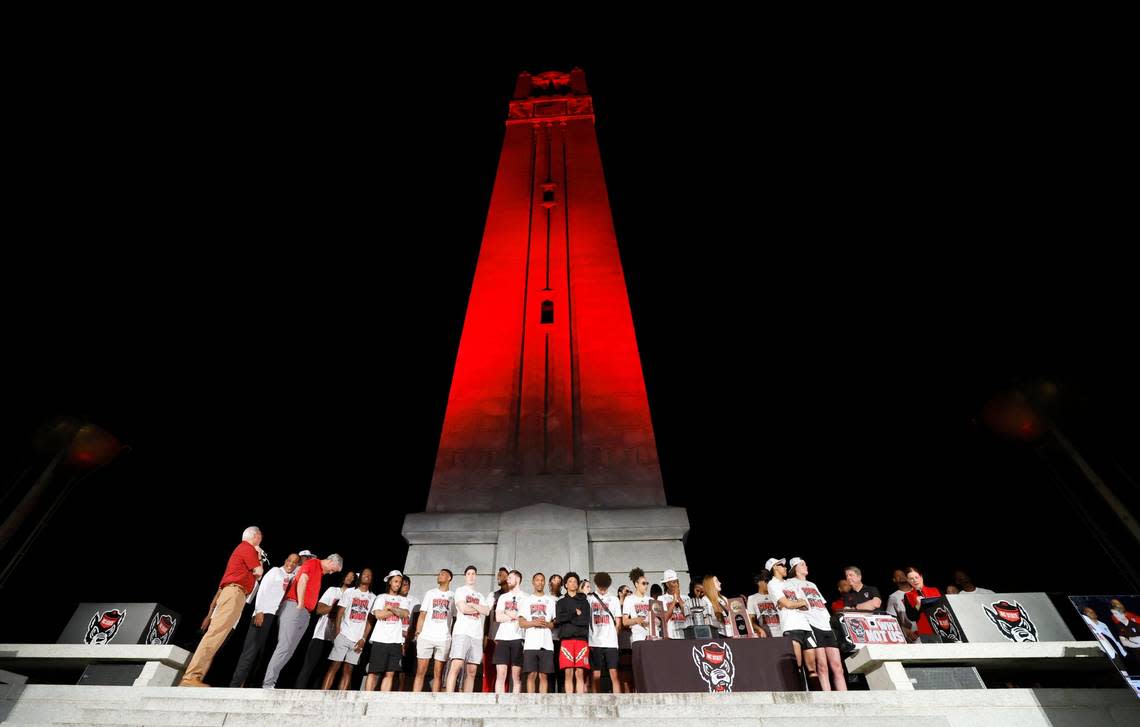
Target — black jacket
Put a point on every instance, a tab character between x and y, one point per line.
574	626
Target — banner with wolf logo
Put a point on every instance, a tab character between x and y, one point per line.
1004	618
121	623
715	666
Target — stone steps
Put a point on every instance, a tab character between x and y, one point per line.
173	707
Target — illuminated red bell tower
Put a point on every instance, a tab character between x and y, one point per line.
548	402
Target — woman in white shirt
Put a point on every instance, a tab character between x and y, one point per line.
716	607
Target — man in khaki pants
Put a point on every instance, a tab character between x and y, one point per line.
242	572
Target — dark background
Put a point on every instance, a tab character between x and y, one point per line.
254	273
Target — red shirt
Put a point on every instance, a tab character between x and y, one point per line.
312	568
239	569
924	627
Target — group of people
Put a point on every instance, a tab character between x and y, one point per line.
562	633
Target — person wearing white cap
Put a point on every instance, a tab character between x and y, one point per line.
387	638
793	613
826	650
676	610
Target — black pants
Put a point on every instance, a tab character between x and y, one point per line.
317	653
255	638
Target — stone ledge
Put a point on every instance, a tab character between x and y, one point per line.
41	655
1052	654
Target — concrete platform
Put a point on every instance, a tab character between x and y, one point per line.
884	665
69	705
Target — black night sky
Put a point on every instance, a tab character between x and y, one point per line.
255	276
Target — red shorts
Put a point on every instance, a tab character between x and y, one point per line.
574	654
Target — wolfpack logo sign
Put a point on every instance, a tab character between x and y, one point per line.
161	629
104	626
947	628
871	629
714	664
1012	620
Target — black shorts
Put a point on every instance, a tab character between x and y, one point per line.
603	657
538	660
509	653
385	658
825	639
803	637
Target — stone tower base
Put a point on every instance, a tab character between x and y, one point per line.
549	539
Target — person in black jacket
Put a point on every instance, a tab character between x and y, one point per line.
572	615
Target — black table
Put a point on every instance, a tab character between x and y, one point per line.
716	665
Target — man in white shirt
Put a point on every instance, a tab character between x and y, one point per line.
270	593
603	641
966	584
538	643
509	637
433	631
321	643
467	634
352	630
387	637
676	609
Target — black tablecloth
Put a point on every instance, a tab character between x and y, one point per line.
716	665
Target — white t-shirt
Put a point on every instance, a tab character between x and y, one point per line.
330	597
538	608
511	601
603	630
791	619
469	624
389	629
271	590
677	620
413	613
357	605
818	615
439	609
977	590
896	605
637	607
764	608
